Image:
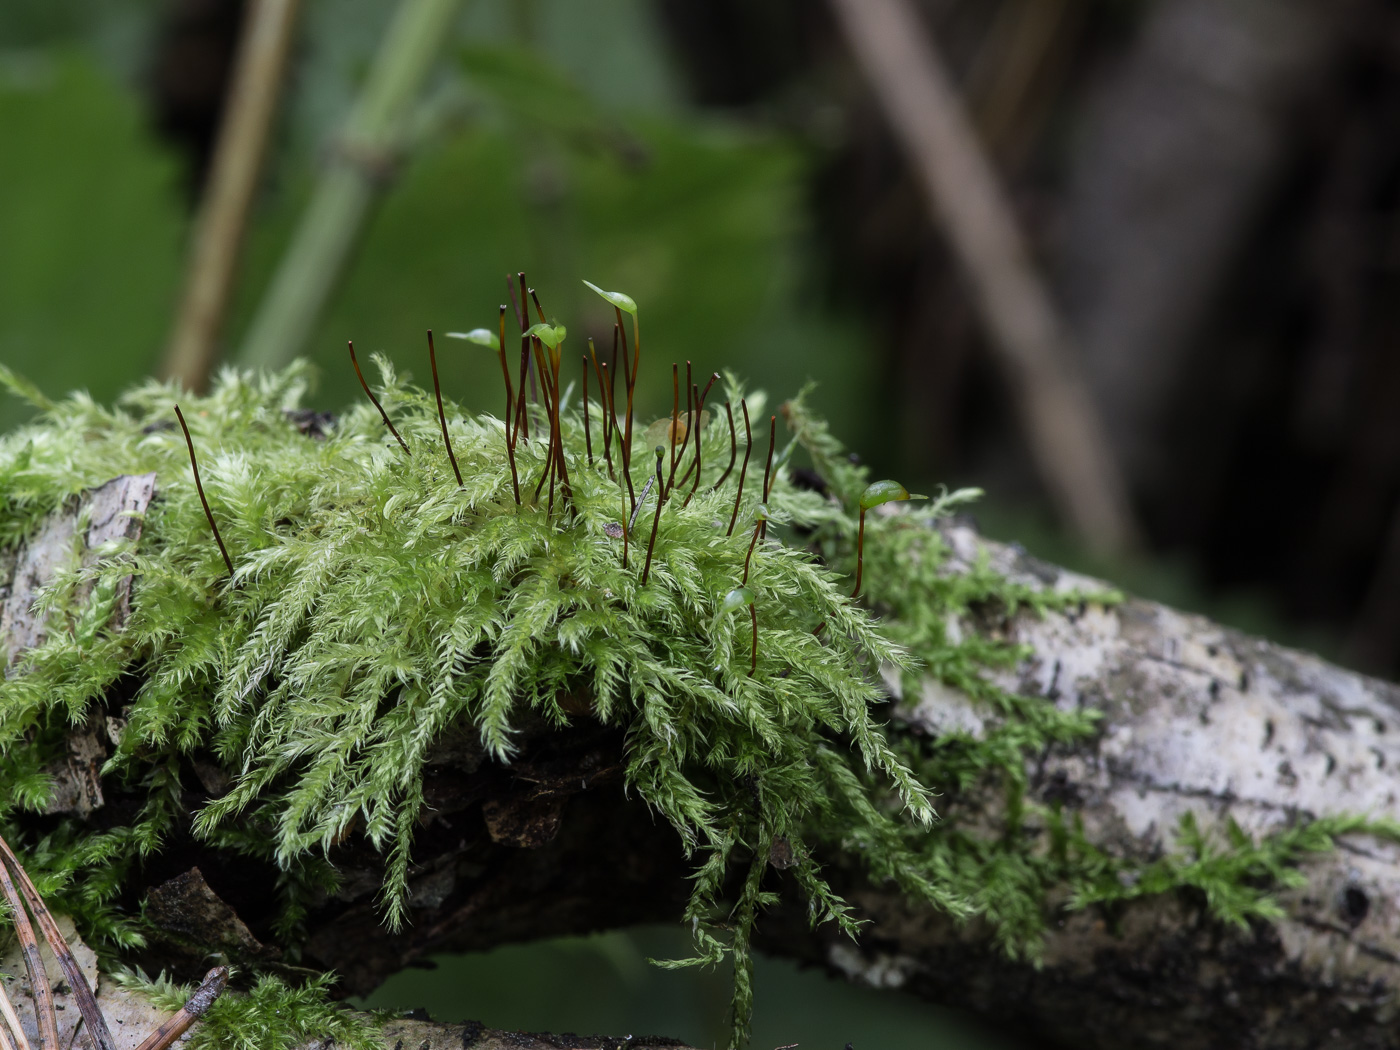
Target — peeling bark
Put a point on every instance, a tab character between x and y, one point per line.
1195	717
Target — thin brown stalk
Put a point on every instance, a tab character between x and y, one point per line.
587	426
544	390
675	423
689	426
199	487
631	385
626	530
636	345
524	324
612	381
555	468
565	485
505	374
370	393
752	543
214	983
699	435
19	1041
520	315
656	520
695	463
81	990
705	394
641	501
442	415
743	471
609	423
860	556
598	375
768	468
539	310
753	664
510	435
522	416
601	372
33	963
733	448
522	413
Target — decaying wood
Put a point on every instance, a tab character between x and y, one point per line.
1195	717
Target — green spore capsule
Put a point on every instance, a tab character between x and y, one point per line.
619	299
480	336
551	335
737	599
885	492
874	495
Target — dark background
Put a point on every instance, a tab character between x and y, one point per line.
1211	191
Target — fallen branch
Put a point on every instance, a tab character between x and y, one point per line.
1195	718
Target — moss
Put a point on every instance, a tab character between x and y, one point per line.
271	1016
375	604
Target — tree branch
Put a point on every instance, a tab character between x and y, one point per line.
1196	718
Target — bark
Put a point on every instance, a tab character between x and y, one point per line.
1195	717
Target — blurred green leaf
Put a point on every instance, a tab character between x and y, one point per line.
91	252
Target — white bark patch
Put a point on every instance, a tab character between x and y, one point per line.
1198	717
113	511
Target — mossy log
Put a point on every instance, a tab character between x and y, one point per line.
1196	718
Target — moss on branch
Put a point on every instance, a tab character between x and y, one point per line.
375	604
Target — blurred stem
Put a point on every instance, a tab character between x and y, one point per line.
223	213
1066	436
360	165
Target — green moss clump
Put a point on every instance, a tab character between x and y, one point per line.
375	604
272	1016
